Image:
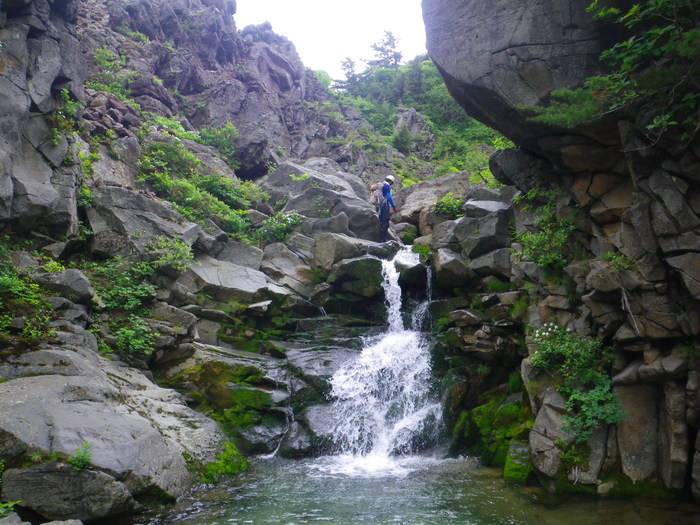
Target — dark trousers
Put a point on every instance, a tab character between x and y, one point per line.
384	216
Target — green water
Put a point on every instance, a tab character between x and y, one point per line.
415	491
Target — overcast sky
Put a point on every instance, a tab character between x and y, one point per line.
324	32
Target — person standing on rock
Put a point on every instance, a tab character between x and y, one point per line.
385	206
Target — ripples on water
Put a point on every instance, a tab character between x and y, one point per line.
411	491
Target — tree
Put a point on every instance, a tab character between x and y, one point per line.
386	53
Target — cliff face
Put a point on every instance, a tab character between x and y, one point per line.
638	199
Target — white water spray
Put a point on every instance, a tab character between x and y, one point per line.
383	403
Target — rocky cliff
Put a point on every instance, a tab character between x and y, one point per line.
633	281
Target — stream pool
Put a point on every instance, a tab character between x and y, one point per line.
409	491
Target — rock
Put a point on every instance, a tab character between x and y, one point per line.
69	283
673	436
450	269
224	281
137	217
490	73
496	263
637	434
518	468
58	492
689	268
480	236
288	269
361	276
422	195
547	429
58	397
239	253
332	247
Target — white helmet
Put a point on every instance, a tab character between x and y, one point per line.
390	178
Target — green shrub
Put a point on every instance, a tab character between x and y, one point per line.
108	77
8	508
549	246
21	297
655	63
176	175
134	35
62	120
134	336
449	206
278	227
81	458
223	139
583	367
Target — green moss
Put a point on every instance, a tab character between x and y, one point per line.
518	468
230	462
489	428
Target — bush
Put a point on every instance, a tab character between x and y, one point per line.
175	174
583	368
549	247
223	139
449	206
81	458
278	228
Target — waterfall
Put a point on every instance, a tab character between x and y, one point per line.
384	407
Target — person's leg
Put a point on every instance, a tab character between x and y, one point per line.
384	222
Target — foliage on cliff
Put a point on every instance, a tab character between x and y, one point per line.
659	63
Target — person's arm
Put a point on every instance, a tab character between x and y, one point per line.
390	201
386	190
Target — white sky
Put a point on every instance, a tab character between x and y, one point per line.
324	32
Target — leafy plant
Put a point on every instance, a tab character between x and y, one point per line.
278	227
449	206
62	120
109	78
176	175
134	35
223	139
583	368
7	508
134	336
619	262
21	298
549	246
81	458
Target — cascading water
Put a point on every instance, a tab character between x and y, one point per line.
384	407
384	414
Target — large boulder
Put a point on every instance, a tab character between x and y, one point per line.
320	189
225	281
124	220
61	396
492	74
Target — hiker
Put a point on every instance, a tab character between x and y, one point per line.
384	208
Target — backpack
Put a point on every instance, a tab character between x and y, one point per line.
376	195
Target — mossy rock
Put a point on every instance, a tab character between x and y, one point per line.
518	467
490	427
